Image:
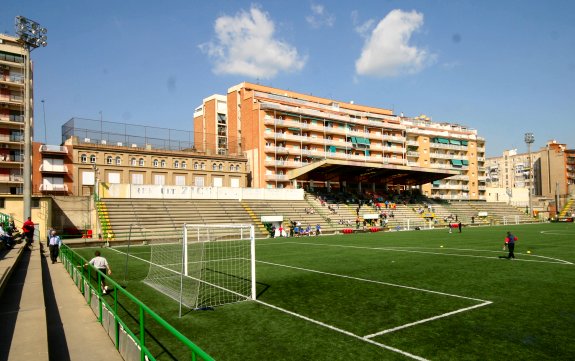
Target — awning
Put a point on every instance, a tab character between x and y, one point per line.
463	142
465	162
331	148
436	183
455	141
295	129
456	162
442	140
363	141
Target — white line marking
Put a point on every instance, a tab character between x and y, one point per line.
400	249
373	281
415	357
427	320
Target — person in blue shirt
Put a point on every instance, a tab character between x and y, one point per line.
54	243
510	245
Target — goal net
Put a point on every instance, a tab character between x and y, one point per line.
213	265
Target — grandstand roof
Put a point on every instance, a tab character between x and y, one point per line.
337	170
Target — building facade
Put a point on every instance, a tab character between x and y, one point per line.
96	152
12	112
284	133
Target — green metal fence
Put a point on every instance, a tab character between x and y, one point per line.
88	280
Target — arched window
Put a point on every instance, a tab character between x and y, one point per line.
231	167
141	162
237	168
203	166
184	164
84	158
214	166
93	159
196	165
133	162
155	163
118	160
163	163
221	166
176	164
109	159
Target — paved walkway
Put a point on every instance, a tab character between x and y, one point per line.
43	316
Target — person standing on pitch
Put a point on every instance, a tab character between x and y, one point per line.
101	264
459	226
510	244
54	243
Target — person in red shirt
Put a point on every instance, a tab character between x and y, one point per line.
510	245
28	230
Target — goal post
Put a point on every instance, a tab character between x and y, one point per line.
214	264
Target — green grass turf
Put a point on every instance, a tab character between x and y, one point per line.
362	284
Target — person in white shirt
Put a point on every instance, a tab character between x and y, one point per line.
101	264
54	243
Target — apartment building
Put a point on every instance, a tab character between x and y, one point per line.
96	152
297	140
12	112
512	170
556	167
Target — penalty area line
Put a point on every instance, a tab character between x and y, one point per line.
486	303
347	333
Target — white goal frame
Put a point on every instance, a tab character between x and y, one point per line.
212	232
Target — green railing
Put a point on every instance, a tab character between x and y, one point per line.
90	277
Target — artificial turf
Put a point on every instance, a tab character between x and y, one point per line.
382	296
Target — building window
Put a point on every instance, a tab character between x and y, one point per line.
180	180
93	159
214	166
114	178
133	162
221	166
176	164
203	166
118	161
2	202
196	165
231	167
84	158
155	163
184	164
35	203
217	181
137	178
163	163
199	181
237	168
159	179
109	159
141	162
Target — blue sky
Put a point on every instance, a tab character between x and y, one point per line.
501	67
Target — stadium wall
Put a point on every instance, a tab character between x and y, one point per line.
107	190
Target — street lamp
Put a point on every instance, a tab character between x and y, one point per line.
31	35
530	139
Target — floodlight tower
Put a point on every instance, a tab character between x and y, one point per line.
31	35
530	139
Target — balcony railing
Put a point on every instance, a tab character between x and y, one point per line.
54	168
53	149
277	177
53	187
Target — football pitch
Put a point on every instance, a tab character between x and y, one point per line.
423	295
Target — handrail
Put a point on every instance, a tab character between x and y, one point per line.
77	261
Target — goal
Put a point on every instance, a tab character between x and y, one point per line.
213	265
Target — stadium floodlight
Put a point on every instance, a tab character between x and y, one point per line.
530	139
31	35
212	266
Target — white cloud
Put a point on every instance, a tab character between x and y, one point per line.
387	51
245	45
320	17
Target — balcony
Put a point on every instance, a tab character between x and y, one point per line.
277	177
11	178
53	188
53	149
411	153
53	168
